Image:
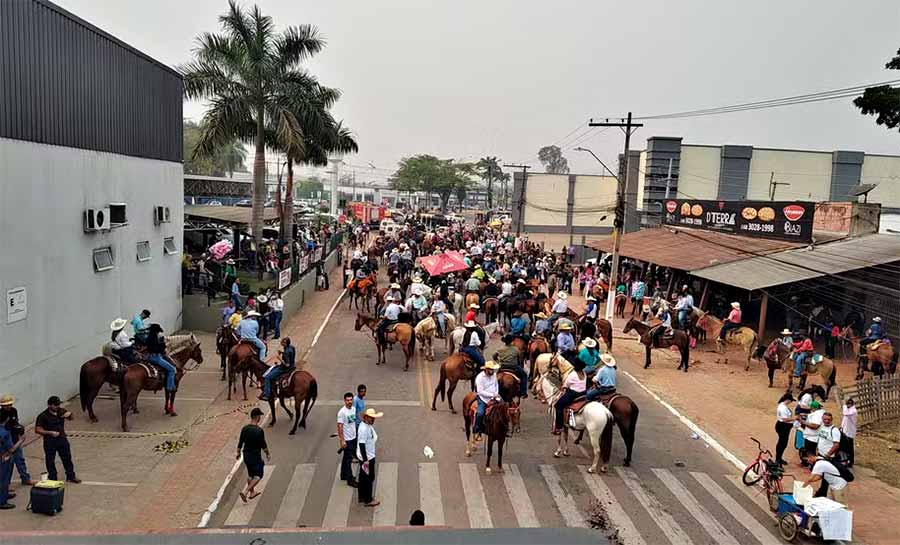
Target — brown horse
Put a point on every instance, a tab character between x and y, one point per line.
243	360
491	308
402	333
472	298
225	340
363	289
508	384
679	338
742	336
302	386
136	379
496	424
619	305
536	346
453	369
825	368
604	331
883	357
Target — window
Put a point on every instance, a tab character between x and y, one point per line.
103	259
169	246
117	214
143	250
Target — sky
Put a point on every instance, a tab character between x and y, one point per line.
467	78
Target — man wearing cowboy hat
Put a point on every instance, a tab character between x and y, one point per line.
541	325
787	338
605	379
492	289
472	313
732	322
560	307
390	315
10	416
418	285
473	342
393	291
366	441
487	390
509	359
875	333
589	355
248	330
121	344
473	285
565	342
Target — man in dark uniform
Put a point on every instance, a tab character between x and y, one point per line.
51	425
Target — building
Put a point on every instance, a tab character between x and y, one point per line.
90	195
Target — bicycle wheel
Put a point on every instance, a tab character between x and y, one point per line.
752	474
788	527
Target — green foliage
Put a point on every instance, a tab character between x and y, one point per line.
552	159
882	101
308	188
432	175
225	161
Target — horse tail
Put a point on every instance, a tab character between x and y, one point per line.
312	394
832	379
84	388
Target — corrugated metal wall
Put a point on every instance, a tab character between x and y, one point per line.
67	83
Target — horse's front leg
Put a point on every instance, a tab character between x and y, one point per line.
244	384
647	361
500	454
490	451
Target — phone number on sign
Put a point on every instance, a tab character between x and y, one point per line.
763	228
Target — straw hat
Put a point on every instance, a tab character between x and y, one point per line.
491	364
475	306
417	279
736	305
470	323
608	360
541	316
7	400
589	342
372	413
118	324
395	286
390	298
477	266
786	331
565	326
562	295
252	314
229	262
262	299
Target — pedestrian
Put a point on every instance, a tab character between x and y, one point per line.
251	444
276	306
848	428
825	472
367	438
236	293
811	429
829	437
784	423
10	416
359	403
8	448
51	425
346	432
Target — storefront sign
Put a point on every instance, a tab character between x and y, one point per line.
16	305
783	220
284	278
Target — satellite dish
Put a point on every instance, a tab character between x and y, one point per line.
862	189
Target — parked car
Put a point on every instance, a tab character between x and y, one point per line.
246	203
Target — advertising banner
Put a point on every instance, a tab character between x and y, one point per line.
284	278
783	220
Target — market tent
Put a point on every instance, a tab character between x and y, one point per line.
443	263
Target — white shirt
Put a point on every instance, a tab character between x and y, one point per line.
830	473
347	417
828	436
783	412
438	306
814	417
366	435
475	340
805	400
560	306
506	288
848	423
122	340
277	304
487	386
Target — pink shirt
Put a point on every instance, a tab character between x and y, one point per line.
734	316
574	382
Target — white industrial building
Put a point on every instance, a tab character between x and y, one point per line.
91	213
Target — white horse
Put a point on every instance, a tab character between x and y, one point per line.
594	418
457	302
455	338
426	330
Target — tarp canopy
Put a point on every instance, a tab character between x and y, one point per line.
443	263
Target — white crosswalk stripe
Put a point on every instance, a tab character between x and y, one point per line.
571	492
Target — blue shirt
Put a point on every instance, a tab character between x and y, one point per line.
565	341
6	441
590	357
138	323
606	378
541	326
226	314
517	326
359	405
875	331
248	329
235	289
392	311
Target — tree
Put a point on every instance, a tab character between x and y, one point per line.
225	160
490	171
248	74
432	175
552	159
883	100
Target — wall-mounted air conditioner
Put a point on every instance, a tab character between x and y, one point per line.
161	214
96	219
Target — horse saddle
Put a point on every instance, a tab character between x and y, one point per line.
473	408
668	335
607	399
874	345
494	299
391	327
471	365
251	344
285	380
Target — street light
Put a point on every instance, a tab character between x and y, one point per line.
611	173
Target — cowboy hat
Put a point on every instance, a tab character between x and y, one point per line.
7	400
417	279
491	364
736	305
786	331
229	262
395	286
520	281
565	326
876	319
589	342
591	298
475	306
118	324
252	314
608	360
470	323
395	251
262	299
562	295
372	413
390	298
541	315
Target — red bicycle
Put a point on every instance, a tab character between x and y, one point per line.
766	470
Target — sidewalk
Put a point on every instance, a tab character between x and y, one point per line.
129	485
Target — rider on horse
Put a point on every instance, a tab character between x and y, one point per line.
875	333
518	326
286	363
560	307
589	355
438	310
248	330
565	342
417	305
487	390
492	289
122	347
156	354
665	325
604	382
575	387
472	313
803	349
732	322
389	315
141	325
473	342
418	285
509	357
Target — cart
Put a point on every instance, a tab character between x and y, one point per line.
793	520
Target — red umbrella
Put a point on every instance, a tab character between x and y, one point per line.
443	263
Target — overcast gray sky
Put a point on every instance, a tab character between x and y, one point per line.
469	78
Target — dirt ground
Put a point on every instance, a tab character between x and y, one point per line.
878	448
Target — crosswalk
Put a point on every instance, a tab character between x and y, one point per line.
654	505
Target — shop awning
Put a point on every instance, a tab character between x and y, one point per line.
690	249
800	264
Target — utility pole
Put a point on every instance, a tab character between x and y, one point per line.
521	196
669	178
773	185
619	223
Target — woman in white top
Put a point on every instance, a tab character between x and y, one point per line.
121	344
848	428
366	439
575	386
784	423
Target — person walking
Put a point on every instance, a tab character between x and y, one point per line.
848	429
250	445
346	432
8	448
784	423
51	425
236	293
276	306
10	416
366	440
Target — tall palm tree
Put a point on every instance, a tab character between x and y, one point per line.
246	73
490	171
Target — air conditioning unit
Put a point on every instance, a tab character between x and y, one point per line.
96	219
159	215
166	216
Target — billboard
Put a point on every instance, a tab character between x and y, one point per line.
782	220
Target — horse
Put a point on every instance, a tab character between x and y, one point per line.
137	378
453	369
491	309
742	336
619	305
302	386
98	371
604	332
456	303
774	355
362	289
472	298
426	330
508	384
496	423
243	360
536	346
883	357
402	333
225	340
679	338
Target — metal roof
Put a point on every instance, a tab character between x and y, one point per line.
689	249
232	215
803	264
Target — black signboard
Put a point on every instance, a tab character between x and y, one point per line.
783	220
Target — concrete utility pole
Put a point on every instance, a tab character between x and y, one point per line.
628	128
521	196
773	185
490	195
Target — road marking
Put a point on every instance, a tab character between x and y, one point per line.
430	494
103	483
338	508
242	512
755	493
476	503
373	402
518	497
564	501
708	522
324	323
740	514
295	497
386	512
628	534
663	519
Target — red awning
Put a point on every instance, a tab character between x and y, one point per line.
443	263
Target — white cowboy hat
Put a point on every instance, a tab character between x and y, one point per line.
417	291
252	314
786	331
477	266
372	413
565	326
520	281
118	324
262	299
876	319
229	262
562	295
591	298
736	305
589	342
492	280
475	306
395	286
491	364
417	279
470	323
395	251
608	360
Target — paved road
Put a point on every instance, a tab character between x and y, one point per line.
678	490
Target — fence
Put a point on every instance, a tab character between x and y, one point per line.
308	261
876	399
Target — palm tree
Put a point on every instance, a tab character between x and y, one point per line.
489	169
247	74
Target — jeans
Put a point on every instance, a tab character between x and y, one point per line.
6	469
564	401
276	322
237	301
18	458
167	367
60	445
798	363
783	429
479	416
259	344
595	393
726	327
440	321
347	461
473	353
682	318
271	376
521	374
